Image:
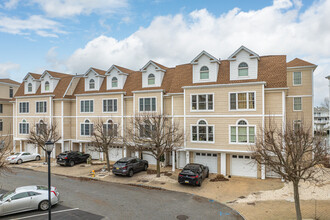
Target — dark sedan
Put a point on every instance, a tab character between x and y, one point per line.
193	174
70	158
127	166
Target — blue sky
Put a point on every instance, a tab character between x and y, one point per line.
72	35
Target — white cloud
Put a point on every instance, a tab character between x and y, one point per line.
10	4
278	29
7	68
68	8
40	25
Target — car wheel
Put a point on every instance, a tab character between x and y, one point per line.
130	173
199	184
37	158
145	167
19	161
71	163
44	205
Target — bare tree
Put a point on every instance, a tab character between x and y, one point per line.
292	153
5	144
104	137
155	134
41	133
325	103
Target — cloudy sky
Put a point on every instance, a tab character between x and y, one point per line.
73	35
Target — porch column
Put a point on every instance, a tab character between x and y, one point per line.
71	146
20	146
62	146
125	151
80	147
14	146
137	154
102	156
173	160
223	164
187	157
54	151
263	172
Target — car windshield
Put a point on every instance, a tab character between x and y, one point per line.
121	164
191	167
7	195
42	188
17	154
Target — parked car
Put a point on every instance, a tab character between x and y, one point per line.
127	166
23	157
70	158
27	198
194	174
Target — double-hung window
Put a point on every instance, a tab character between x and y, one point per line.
86	128
1	108
23	107
110	105
202	132
41	127
242	133
146	130
110	129
1	125
242	101
297	104
296	78
296	125
24	127
41	107
147	104
202	102
11	92
86	106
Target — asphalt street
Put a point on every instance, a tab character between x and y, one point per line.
88	199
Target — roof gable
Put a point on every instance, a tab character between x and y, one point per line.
299	63
213	59
34	76
252	54
98	72
156	65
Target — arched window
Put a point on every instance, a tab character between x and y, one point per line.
46	86
41	127
114	82
30	87
24	127
242	133
110	129
202	132
86	128
204	72
243	69
151	79
92	84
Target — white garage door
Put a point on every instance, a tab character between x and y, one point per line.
207	159
149	158
115	153
31	148
242	165
94	154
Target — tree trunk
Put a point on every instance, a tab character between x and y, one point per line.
296	200
158	167
108	161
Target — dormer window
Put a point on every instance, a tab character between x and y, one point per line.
151	79
46	86
204	72
243	69
92	84
30	87
114	82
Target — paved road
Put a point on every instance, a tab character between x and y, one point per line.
117	201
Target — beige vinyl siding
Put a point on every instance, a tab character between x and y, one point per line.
156	95
4	90
273	103
168	105
306	114
178	105
129	106
306	86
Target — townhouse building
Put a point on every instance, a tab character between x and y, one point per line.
221	106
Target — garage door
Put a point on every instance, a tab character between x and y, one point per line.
182	159
115	153
31	148
243	165
149	158
207	159
94	154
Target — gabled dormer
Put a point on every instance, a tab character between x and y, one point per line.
243	64
93	79
116	77
152	74
31	83
205	68
48	82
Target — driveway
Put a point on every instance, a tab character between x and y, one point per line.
116	201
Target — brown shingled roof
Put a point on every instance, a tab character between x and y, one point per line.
101	72
160	65
299	62
35	75
57	74
124	70
10	81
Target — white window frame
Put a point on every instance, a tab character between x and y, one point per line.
1	125
89	84
248	134
1	108
106	99
19	108
47	90
27	128
112	82
207	132
200	73
45	107
301	104
247	100
28	88
37	125
151	97
90	130
11	92
296	122
83	100
153	78
293	79
151	130
207	102
241	68
113	124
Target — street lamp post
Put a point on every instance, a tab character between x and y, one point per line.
49	146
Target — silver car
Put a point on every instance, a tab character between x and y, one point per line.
27	198
23	157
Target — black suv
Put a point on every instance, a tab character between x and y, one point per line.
70	158
127	166
194	174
